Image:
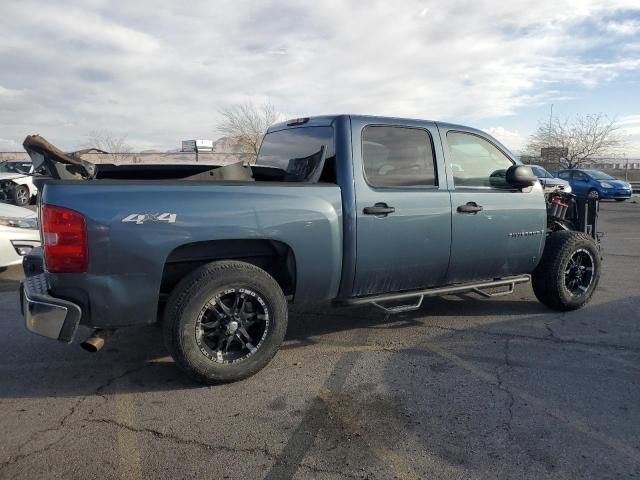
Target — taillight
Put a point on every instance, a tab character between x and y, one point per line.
64	235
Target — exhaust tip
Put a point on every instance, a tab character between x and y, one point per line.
96	341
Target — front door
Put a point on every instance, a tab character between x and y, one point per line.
497	230
579	183
403	222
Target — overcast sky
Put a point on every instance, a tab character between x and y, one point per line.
160	71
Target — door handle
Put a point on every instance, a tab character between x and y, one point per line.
470	207
379	209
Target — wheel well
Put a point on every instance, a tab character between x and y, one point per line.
275	257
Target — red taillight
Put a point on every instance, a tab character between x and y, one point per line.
64	235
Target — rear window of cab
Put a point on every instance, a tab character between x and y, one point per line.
298	151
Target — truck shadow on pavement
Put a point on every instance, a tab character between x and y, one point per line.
38	367
538	395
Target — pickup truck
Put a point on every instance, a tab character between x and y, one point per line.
345	209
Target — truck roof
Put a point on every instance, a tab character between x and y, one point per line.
326	120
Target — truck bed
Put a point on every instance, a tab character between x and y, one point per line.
133	246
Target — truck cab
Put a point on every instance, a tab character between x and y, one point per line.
450	215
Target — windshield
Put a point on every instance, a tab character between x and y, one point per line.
541	172
598	175
15	167
298	151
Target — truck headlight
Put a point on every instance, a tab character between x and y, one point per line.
606	185
28	223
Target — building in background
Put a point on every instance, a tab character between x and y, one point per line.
197	146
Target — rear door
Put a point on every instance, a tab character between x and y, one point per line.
496	230
403	220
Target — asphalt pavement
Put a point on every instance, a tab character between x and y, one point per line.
464	388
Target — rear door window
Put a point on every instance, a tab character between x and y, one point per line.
398	157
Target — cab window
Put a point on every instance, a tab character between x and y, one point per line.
305	154
398	157
475	162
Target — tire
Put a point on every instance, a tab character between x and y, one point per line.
555	280
593	193
620	199
21	195
207	298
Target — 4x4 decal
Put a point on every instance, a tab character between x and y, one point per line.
140	218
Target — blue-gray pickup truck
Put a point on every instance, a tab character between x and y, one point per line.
344	209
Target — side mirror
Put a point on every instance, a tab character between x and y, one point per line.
520	176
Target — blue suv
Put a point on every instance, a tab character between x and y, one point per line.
595	184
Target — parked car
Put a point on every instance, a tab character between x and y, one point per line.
596	184
348	210
16	182
18	233
548	181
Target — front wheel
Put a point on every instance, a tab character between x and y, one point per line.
593	193
225	321
569	271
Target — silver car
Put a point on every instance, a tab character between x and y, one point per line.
548	181
18	233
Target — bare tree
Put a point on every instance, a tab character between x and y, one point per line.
247	123
115	145
584	137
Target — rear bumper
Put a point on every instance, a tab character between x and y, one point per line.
46	315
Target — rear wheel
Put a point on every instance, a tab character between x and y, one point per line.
21	195
593	193
620	199
225	321
569	271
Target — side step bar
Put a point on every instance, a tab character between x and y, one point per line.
417	296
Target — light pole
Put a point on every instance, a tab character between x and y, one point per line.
550	120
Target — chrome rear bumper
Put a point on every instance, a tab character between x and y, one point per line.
46	315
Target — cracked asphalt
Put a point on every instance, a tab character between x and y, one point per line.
464	388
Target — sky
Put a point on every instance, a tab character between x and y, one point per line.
160	72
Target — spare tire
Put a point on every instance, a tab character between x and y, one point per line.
568	272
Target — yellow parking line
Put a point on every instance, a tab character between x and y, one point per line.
129	463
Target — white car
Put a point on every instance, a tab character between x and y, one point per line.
19	233
16	182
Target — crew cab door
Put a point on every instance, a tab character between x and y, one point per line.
496	230
403	210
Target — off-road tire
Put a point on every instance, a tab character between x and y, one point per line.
548	279
194	292
21	195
